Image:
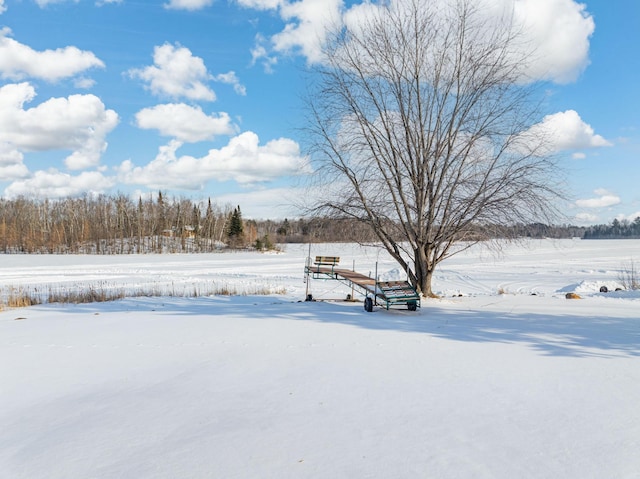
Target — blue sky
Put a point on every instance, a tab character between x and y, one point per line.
202	98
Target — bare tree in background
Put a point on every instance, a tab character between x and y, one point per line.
421	128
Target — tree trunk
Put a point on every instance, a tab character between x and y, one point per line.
423	272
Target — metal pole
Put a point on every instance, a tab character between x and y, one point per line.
353	294
306	272
375	287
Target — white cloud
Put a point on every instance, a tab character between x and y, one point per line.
84	83
44	3
190	5
54	184
260	53
603	200
586	218
306	26
261	4
11	163
242	160
3	8
18	61
184	122
563	131
230	78
176	73
558	31
78	123
275	203
572	132
13	172
578	156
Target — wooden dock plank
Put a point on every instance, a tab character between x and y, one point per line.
391	292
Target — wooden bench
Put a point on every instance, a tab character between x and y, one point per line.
321	266
326	260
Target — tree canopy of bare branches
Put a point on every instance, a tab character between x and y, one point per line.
421	123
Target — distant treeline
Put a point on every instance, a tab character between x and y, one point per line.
108	224
117	224
616	230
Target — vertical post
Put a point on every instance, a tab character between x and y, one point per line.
306	272
375	287
352	284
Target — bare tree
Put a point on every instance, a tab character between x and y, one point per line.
421	128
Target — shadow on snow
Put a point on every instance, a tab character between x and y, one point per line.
554	334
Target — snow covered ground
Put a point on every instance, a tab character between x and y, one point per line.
524	384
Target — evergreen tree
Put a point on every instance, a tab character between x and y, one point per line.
235	229
284	229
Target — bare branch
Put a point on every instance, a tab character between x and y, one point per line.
417	121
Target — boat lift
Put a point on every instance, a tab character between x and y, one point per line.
389	293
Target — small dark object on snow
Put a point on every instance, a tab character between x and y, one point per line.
309	297
604	289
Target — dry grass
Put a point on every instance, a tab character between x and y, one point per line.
22	297
629	276
91	295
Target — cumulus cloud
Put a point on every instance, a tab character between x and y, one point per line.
633	216
11	163
586	218
563	131
261	4
260	54
558	31
176	73
190	5
271	203
602	200
306	26
54	184
572	132
243	160
3	8
78	123
230	78
84	83
44	3
185	123
18	61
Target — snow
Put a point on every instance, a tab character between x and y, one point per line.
478	384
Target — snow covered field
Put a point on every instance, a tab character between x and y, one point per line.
525	384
